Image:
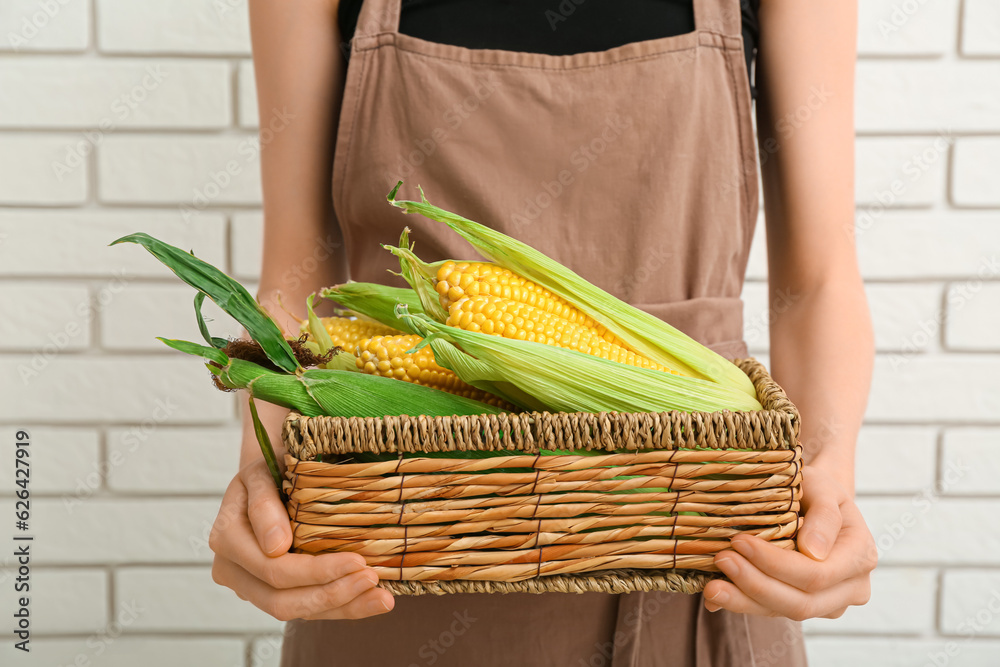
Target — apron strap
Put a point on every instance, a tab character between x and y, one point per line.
722	16
378	16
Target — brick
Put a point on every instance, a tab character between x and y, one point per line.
895	172
102	530
906	317
74	600
111	94
247	244
928	96
927	528
33	171
892	27
901	315
93	389
142	461
39	314
981	28
974	178
266	652
973	316
928	244
76	242
180	26
30	25
181	599
192	172
909	452
970	603
144	311
900	652
247	94
904	385
970	461
59	458
109	649
902	603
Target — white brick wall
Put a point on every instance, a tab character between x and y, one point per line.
63	601
114	93
975	181
34	25
119	116
178	599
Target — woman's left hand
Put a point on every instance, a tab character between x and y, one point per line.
829	573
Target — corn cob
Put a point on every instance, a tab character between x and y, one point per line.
641	331
472	295
480	296
387	356
520	321
346	333
556	379
381	350
456	280
336	393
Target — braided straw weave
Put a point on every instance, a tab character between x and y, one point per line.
651	518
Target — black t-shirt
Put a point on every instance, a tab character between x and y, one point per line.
554	27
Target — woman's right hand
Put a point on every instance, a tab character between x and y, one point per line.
251	537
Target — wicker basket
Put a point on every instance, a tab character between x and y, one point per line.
462	524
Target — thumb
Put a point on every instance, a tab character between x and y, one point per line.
823	517
267	514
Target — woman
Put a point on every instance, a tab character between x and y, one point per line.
622	146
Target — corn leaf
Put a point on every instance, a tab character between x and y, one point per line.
376	302
210	353
333	392
227	293
316	329
565	380
199	299
264	440
419	275
645	333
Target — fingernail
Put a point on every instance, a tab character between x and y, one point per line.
363	583
743	547
719	597
728	565
817	546
371	576
377	607
273	540
351	567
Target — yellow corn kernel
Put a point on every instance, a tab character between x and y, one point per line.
388	356
456	281
347	332
521	321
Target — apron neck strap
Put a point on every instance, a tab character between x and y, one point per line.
378	16
721	16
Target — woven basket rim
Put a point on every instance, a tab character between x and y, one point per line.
776	426
688	582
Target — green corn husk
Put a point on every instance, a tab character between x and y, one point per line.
227	293
645	333
374	301
321	340
335	393
545	377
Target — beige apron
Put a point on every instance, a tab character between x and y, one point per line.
635	167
